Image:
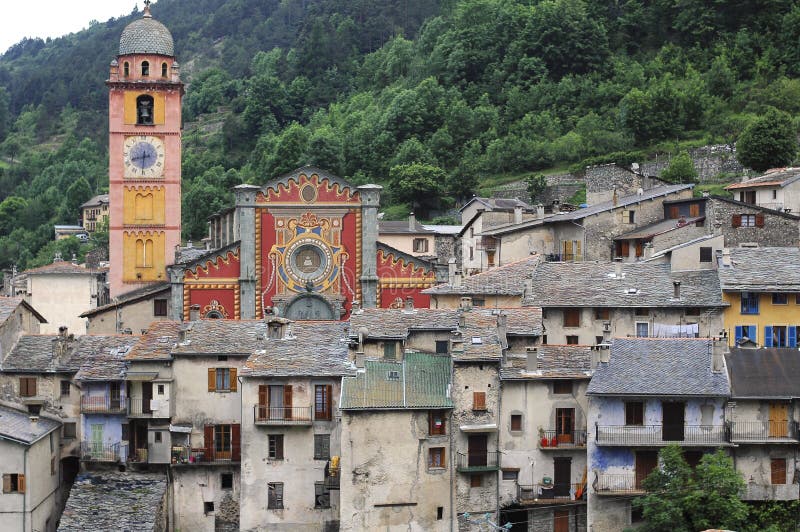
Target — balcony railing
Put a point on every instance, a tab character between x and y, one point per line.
763	431
476	462
279	415
609	484
702	435
550	493
104	452
551	439
201	455
102	405
139	407
771	492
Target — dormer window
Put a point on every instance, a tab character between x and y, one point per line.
163	70
126	69
144	109
145	69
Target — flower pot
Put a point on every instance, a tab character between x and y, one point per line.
544	442
554	442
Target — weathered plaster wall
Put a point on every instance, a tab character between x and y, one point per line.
195	484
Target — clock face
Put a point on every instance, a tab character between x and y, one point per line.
144	156
308	260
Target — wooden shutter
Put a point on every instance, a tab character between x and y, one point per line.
6	483
577	251
778	470
287	401
233	379
479	400
329	401
21	483
624	248
674	212
759	220
236	438
212	380
694	209
263	401
208	441
279	446
736	220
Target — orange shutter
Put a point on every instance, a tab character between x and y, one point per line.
233	379
212	379
208	442
236	438
759	220
479	400
736	220
21	483
263	401
287	401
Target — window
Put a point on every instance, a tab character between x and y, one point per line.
601	314
544	339
748	196
779	338
222	379
226	481
160	389
208	507
145	69
797	299
436	458
475	481
478	302
275	451
442	347
27	386
436	423
778	470
126	69
479	400
516	422
642	329
69	431
510	474
629	217
275	496
747	220
222	358
322	401
222	438
572	339
65	388
565	424
634	413
471	253
14	483
420	245
642	311
691	311
163	70
157	436
439	513
780	298
322	446
159	307
749	303
705	254
562	387
389	350
572	317
322	496
598	339
53	468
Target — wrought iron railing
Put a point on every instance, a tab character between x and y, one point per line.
619	483
478	461
547	493
763	430
661	434
103	452
280	415
201	455
333	478
139	407
103	405
554	439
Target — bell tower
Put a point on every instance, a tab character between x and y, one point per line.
144	147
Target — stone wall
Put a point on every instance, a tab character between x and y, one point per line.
709	161
779	229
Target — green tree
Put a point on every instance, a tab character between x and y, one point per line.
418	184
11	209
535	183
77	193
768	142
680	170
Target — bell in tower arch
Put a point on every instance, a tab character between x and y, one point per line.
144	109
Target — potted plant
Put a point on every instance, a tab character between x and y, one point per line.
554	442
542	438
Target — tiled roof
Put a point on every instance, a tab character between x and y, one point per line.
96	201
510	279
769	373
421	380
395	323
146	36
554	361
64	267
9	304
39	353
17	425
659	366
105	365
479	332
130	297
114	501
314	349
643	284
230	337
762	270
158	343
774	177
664	226
189	254
604	206
400	227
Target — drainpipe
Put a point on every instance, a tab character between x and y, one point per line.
452	466
25	494
499	474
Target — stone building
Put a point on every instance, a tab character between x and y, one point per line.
604	181
94	213
131	312
744	224
17	317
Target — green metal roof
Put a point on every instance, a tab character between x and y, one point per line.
421	380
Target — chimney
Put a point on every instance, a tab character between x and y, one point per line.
177	253
605	353
726	257
676	289
412	222
194	313
539	211
718	350
466	303
502	329
457	280
606	332
532	361
451	271
614	197
517	214
648	250
61	344
356	307
409	304
618	268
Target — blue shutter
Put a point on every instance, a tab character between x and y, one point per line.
792	336
752	333
768	336
738	334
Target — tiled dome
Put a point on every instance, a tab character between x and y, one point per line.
146	36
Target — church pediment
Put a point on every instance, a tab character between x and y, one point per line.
309	185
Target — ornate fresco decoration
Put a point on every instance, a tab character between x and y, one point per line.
308	188
214	310
210	266
232	285
259	266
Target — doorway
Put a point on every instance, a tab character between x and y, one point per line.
562	474
476	453
646	462
672	418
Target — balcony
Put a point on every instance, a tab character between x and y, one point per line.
102	405
532	494
771	492
477	462
618	484
279	415
333	478
138	407
763	431
104	452
551	440
684	435
202	456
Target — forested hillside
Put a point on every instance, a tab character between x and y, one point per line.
431	99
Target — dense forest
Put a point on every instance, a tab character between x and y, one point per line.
433	99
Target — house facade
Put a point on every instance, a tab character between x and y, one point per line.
777	189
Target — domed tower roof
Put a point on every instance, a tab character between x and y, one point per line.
146	36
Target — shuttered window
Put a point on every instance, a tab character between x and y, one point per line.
322	446
13	483
275	451
778	470
222	379
27	386
322	401
479	400
275	496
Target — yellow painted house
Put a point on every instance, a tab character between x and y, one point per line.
762	286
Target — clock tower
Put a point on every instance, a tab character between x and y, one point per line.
144	146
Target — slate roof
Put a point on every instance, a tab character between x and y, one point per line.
494	204
594	284
451	230
37	353
17	425
579	214
396	323
230	337
661	253
659	367
64	267
101	199
105	365
769	373
773	177
392	227
158	343
114	501
658	228
420	380
316	348
9	304
761	270
479	332
510	279
554	362
129	297
146	36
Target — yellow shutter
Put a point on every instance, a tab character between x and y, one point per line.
21	483
578	250
212	380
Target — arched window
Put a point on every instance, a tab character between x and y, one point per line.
213	315
148	253
163	70
140	253
145	69
143	206
144	109
126	69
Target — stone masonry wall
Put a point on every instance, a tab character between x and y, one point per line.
779	229
709	161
